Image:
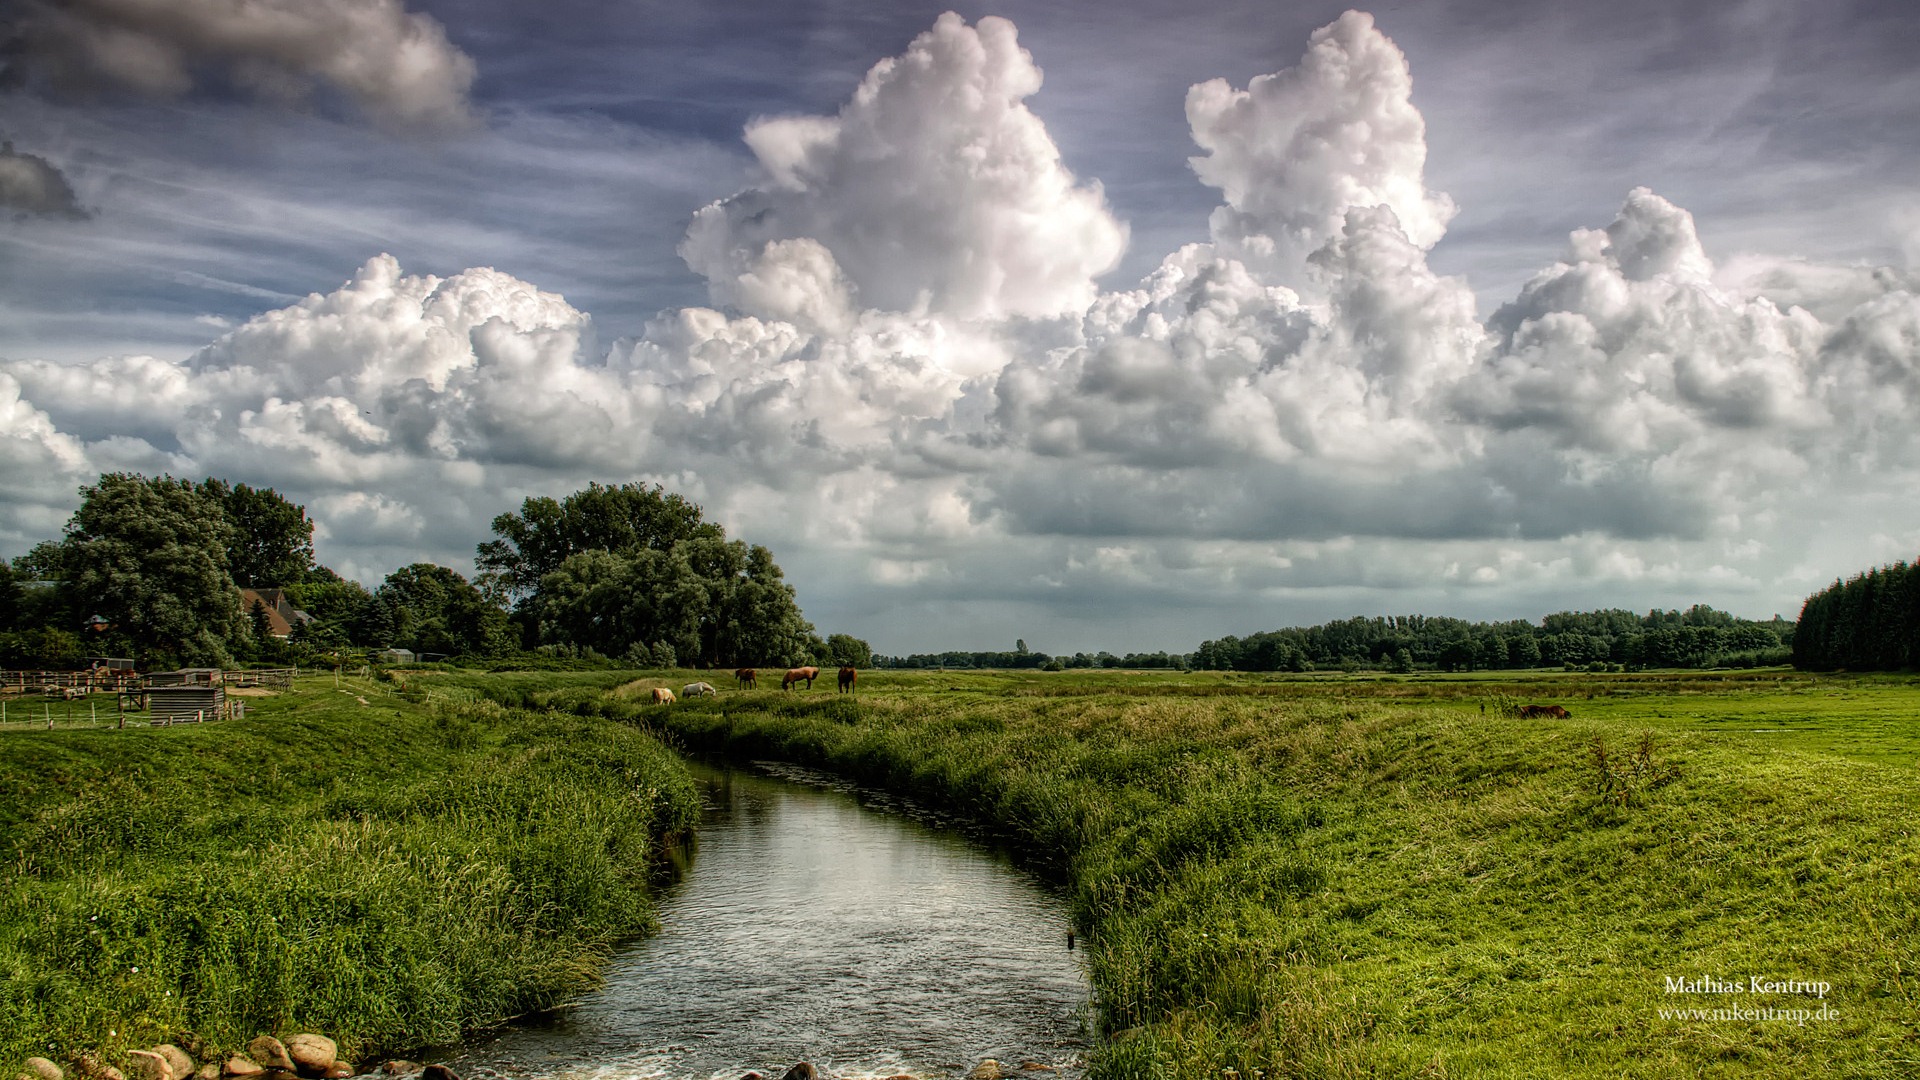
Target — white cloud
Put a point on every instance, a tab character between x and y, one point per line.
934	190
919	392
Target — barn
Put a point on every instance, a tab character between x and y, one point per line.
185	704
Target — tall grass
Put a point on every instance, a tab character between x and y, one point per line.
1344	878
391	874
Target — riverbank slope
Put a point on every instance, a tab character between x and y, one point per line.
1397	877
386	869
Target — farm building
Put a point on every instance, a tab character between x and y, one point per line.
282	616
199	676
183	704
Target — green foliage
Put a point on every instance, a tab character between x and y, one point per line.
429	608
1869	622
386	873
149	555
545	533
707	600
272	540
847	650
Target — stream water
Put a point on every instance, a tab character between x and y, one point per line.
812	924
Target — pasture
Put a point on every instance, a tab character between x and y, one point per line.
1695	874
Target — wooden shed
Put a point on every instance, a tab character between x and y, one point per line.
196	676
185	704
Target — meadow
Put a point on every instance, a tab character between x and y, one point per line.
389	870
1359	876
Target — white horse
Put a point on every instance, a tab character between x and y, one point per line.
697	689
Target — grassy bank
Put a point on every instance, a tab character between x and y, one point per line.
1337	877
386	870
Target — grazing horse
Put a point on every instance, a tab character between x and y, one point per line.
697	689
794	675
662	696
744	676
847	675
1535	712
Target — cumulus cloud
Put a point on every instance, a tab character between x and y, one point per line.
1297	149
31	186
918	390
397	66
934	190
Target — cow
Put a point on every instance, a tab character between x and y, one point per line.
794	675
697	689
662	696
847	676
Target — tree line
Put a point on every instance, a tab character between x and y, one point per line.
1868	622
151	568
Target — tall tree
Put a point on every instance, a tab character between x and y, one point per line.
272	541
434	609
149	555
545	533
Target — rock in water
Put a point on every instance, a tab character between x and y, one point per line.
438	1072
270	1052
147	1065
401	1067
802	1071
987	1070
313	1055
178	1060
241	1065
209	1071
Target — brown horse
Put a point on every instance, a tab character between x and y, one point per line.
1535	712
847	675
745	676
794	675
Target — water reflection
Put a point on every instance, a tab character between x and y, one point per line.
809	928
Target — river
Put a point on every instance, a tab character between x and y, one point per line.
810	925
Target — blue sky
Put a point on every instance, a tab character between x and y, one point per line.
1033	329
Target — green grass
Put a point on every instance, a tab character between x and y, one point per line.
387	870
1357	876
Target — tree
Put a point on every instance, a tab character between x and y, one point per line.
545	533
850	651
150	557
430	608
272	541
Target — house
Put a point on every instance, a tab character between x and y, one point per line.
282	616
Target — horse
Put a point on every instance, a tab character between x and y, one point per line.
662	696
697	689
745	677
1535	712
794	675
847	675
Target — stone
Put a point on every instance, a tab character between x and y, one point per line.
312	1054
401	1067
241	1065
44	1069
438	1072
802	1071
209	1071
178	1060
147	1065
987	1070
339	1070
271	1053
1036	1066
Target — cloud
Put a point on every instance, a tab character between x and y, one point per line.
396	66
1297	149
934	190
919	394
31	186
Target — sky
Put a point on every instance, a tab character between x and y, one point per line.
1103	326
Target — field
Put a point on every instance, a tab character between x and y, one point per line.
346	859
1288	876
1375	876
